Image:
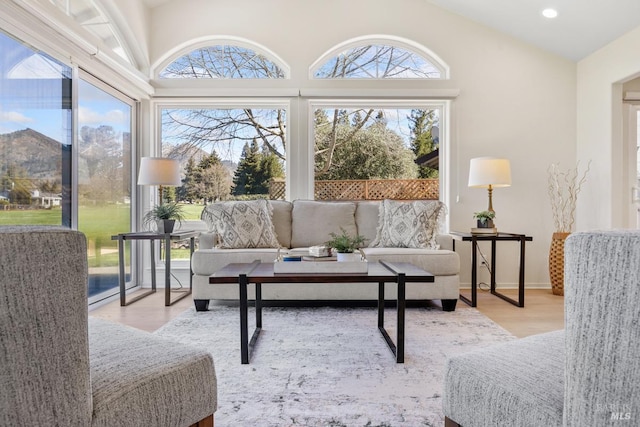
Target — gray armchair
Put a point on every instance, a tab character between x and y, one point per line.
586	375
60	368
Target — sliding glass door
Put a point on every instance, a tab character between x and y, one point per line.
104	180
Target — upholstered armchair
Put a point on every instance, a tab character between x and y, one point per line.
586	375
60	368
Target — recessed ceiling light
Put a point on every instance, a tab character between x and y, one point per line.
549	13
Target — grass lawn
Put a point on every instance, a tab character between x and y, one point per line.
98	223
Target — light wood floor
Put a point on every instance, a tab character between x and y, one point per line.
542	312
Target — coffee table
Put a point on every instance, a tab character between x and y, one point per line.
378	272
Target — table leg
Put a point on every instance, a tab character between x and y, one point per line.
153	264
520	302
521	279
167	269
244	333
381	305
400	320
123	297
123	300
493	266
473	302
258	305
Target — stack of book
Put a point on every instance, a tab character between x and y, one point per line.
319	251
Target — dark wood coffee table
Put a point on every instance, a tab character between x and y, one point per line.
378	272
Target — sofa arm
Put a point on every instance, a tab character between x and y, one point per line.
207	240
445	241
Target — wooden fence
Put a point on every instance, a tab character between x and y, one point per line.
367	189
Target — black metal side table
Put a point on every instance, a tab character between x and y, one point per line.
499	237
167	238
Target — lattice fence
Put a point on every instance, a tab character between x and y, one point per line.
371	189
277	189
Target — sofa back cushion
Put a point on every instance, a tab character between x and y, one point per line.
367	214
312	222
282	221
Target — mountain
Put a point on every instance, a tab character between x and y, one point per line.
36	154
183	152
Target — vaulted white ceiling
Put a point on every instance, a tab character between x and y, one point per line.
581	27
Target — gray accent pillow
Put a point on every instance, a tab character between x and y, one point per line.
412	224
242	224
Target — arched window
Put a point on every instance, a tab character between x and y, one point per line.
362	146
223	61
374	58
233	147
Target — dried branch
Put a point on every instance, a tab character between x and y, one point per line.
563	189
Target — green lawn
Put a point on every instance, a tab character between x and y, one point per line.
98	223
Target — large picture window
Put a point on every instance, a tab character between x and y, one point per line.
226	153
376	152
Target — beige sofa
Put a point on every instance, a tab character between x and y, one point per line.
305	223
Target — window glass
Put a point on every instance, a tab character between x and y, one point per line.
376	153
225	154
104	183
35	136
222	62
377	62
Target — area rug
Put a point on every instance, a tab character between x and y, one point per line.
329	366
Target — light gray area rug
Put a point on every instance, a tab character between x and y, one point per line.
330	366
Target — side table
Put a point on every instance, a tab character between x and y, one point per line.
151	236
499	237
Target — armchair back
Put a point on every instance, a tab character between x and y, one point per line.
44	348
602	310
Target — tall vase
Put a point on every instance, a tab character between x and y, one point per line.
556	262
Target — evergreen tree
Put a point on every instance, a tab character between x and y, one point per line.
255	170
248	169
213	180
188	191
422	143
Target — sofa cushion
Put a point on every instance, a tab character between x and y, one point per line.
408	224
242	224
281	217
313	222
367	214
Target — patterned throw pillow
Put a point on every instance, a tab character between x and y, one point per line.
408	224
242	224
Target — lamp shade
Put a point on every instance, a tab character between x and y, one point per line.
159	171
485	172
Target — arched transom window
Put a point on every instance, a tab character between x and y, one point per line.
378	61
223	61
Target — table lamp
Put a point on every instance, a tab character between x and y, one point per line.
159	171
489	173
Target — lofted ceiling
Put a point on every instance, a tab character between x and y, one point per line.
581	27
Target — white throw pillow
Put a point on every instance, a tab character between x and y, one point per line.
412	224
242	224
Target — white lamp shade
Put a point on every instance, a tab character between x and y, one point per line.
159	171
489	171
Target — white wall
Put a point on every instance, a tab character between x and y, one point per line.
604	202
515	101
